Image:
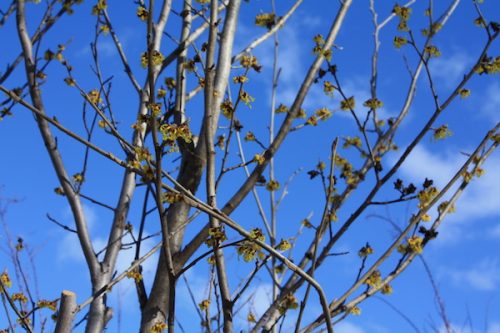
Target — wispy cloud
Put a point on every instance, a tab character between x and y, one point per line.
493	327
484	276
491	102
347	327
447	70
480	199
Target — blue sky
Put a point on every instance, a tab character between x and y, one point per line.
464	258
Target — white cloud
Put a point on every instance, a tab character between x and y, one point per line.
346	327
494	327
479	200
261	298
485	276
70	249
491	101
461	328
448	70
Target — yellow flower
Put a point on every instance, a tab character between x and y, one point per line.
51	305
307	224
425	218
373	103
323	113
78	178
220	141
250	136
215	236
355	141
240	79
250	62
59	190
265	20
142	13
161	93
171	197
19	297
246	98
94	96
257	234
441	132
464	93
348	104
156	58
281	109
415	244
227	108
251	318
142	153
301	114
170	83
204	305
365	251
374	280
158	327
101	5
155	108
70	81
259	159
355	311
387	289
432	50
104	28
41	75
399	41
284	245
426	196
443	205
134	274
272	185
312	121
328	88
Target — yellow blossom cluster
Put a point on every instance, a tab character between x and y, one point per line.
284	245
348	104
414	244
159	327
227	108
365	251
266	20
488	66
248	61
51	305
134	274
432	51
373	103
404	15
19	297
172	132
272	185
352	142
204	305
374	280
216	235
94	96
249	249
281	109
142	13
259	158
426	195
156	58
